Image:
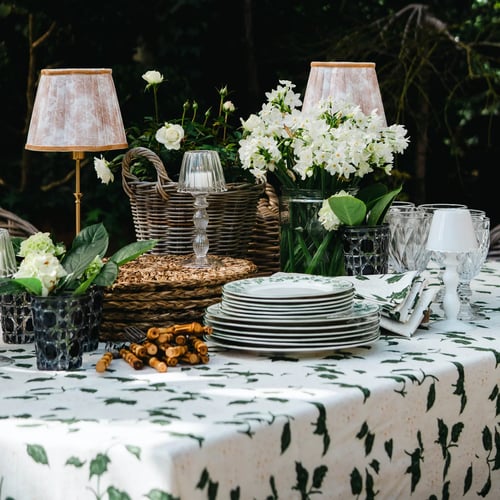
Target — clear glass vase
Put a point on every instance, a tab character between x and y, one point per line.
305	245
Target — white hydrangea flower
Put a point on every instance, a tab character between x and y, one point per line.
40	243
170	135
44	266
104	173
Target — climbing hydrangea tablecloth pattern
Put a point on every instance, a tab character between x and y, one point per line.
404	417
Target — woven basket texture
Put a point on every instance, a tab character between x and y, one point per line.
160	290
264	247
160	212
15	224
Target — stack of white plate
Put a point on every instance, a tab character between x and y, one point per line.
291	313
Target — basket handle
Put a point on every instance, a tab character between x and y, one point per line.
272	197
151	156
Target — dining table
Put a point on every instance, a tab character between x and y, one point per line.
397	418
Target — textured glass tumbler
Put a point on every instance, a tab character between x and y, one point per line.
16	318
60	324
409	230
366	249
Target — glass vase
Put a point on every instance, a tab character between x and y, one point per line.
61	325
305	245
366	249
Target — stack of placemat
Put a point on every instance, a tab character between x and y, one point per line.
160	290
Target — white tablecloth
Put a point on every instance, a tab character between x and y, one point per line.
402	418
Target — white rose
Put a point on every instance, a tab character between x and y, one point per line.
228	107
102	170
170	136
44	266
153	77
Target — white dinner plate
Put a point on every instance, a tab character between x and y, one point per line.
294	336
296	350
240	309
360	309
276	289
312	329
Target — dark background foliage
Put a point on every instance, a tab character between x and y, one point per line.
438	66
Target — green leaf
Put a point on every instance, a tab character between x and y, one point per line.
285	437
350	210
116	494
107	274
76	262
369	194
99	465
132	251
37	453
380	207
19	285
96	233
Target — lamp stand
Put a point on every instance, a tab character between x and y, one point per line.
77	156
451	300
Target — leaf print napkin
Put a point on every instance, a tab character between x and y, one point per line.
403	298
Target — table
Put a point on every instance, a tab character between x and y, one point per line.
402	418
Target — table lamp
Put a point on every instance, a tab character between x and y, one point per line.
201	173
352	82
451	233
76	110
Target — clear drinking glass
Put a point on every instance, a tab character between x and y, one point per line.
469	265
409	229
201	174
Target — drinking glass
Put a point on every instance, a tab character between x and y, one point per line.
469	265
409	229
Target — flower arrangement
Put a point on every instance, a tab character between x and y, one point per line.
47	268
334	148
170	139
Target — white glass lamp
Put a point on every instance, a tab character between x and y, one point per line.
201	174
451	233
76	110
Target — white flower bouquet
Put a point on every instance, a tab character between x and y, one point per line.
334	148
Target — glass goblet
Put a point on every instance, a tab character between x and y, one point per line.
409	230
469	265
201	174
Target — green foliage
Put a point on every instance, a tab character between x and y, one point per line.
369	207
90	244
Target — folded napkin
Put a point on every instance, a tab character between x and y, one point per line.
403	298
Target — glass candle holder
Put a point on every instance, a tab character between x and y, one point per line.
201	174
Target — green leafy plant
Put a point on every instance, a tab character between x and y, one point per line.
169	139
49	269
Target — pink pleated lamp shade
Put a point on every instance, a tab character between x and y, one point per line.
76	110
353	82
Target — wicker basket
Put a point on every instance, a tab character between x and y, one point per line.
160	212
264	247
159	290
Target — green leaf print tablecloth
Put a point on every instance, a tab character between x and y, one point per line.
402	418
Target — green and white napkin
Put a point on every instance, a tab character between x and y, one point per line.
403	298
